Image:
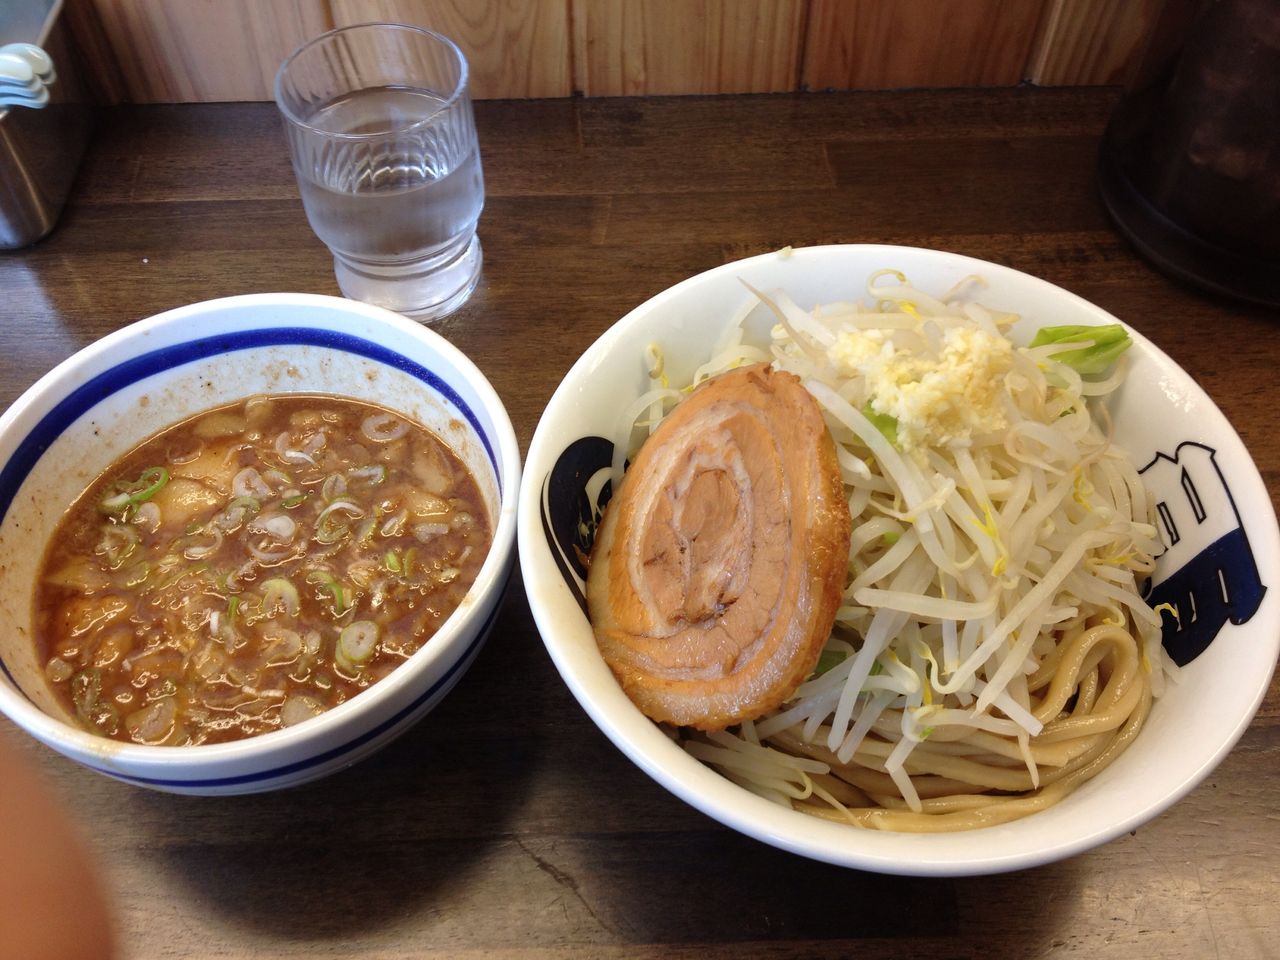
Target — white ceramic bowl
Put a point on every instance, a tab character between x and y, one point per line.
70	425
1199	471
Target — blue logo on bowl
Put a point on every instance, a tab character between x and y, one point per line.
573	495
1207	574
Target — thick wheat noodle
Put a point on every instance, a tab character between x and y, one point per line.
842	790
1069	745
1100	720
864	778
1089	680
1006	748
977	772
970	812
1048	665
1087	693
1066	678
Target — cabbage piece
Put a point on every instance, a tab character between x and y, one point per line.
1107	342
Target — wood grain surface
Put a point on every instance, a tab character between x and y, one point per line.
505	825
180	51
1101	40
869	45
177	51
517	49
622	48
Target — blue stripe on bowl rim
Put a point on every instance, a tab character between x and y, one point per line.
128	372
265	776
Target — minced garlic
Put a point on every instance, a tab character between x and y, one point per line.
935	398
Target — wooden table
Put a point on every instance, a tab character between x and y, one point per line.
505	824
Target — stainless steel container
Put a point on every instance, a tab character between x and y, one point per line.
40	149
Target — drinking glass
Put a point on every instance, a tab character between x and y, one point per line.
383	142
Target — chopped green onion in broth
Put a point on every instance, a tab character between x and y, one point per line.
279	568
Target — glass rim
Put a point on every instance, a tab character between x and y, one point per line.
458	92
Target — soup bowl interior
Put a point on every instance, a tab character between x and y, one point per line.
95	407
1215	515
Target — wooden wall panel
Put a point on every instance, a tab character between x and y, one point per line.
209	50
887	44
1092	41
199	50
516	48
97	60
638	47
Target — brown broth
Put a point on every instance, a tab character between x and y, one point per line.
254	566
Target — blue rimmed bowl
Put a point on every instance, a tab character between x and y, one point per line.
91	409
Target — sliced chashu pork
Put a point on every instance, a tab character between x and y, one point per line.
720	560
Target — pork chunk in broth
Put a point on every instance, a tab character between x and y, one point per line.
254	566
